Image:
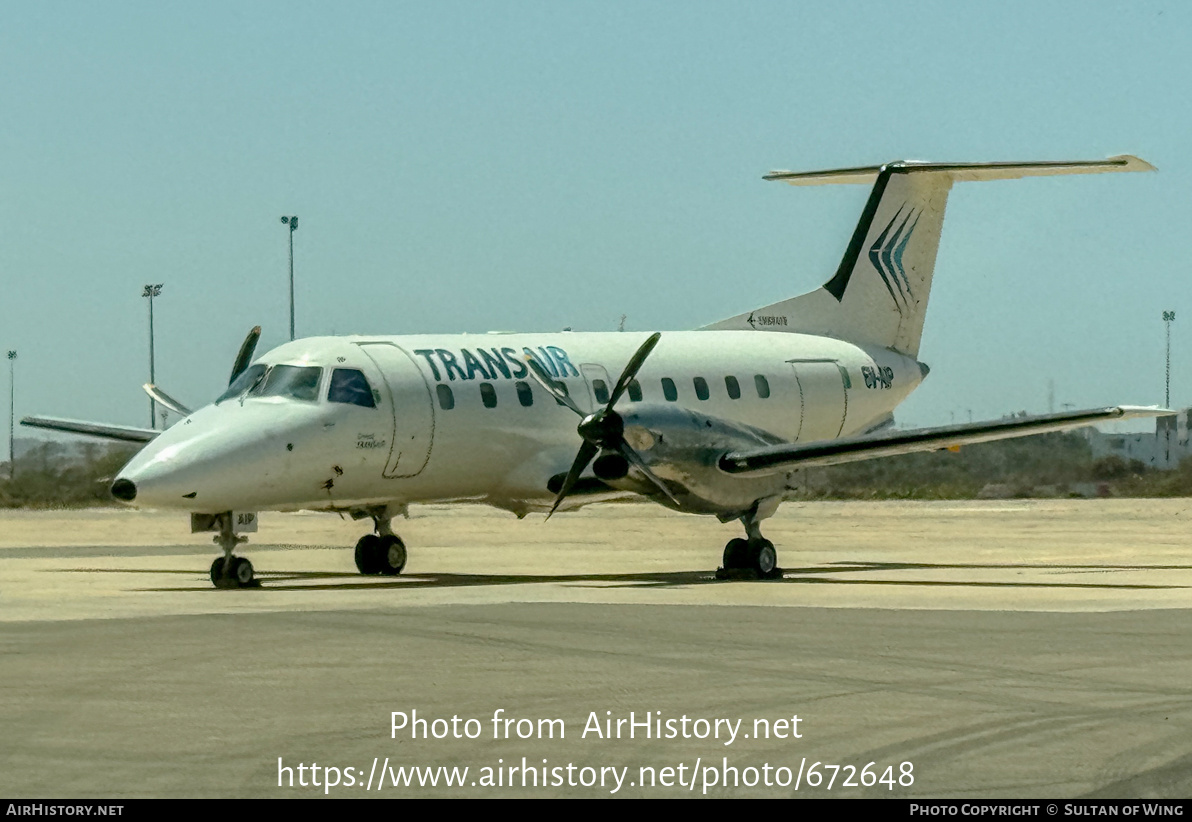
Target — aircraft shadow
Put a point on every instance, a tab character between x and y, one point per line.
812	575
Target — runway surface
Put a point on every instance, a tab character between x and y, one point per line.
994	649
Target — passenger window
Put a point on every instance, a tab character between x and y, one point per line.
600	390
351	387
446	398
701	388
734	388
635	391
668	389
524	394
763	387
488	395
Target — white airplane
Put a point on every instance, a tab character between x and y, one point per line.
712	421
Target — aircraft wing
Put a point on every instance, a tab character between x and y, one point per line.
124	433
890	443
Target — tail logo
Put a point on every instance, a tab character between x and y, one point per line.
886	255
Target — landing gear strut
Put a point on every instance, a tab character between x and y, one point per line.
755	556
230	571
382	552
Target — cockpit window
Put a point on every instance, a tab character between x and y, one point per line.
350	386
295	381
248	378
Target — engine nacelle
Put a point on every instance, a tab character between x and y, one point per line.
683	448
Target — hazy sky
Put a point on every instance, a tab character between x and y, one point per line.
471	166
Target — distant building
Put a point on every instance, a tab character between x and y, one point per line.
1162	449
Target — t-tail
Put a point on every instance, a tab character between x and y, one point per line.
878	295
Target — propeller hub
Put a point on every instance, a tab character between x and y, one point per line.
604	428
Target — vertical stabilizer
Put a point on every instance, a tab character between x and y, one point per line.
878	295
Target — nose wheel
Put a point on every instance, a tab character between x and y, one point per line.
240	575
231	571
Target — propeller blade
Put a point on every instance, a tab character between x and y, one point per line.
603	428
636	461
162	398
554	388
631	368
246	351
586	452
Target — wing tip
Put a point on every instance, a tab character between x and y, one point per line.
1144	411
1131	162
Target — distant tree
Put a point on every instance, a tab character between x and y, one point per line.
54	475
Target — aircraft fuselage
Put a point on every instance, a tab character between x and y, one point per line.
460	418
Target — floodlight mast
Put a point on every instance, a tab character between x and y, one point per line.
1168	319
152	291
292	222
12	457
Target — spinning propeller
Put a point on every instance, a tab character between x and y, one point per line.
602	430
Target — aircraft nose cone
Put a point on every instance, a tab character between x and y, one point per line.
124	490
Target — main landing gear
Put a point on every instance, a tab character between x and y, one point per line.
382	552
754	557
230	571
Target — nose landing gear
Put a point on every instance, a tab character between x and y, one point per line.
231	571
239	575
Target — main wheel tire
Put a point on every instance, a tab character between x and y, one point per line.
368	554
241	575
764	558
391	555
217	573
736	554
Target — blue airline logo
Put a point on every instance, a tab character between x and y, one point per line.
886	255
495	363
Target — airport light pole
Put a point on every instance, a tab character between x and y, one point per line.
1168	319
12	404
292	222
152	291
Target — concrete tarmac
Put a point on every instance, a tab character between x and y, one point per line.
967	650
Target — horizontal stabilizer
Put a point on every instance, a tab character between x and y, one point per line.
124	433
963	172
892	443
878	295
